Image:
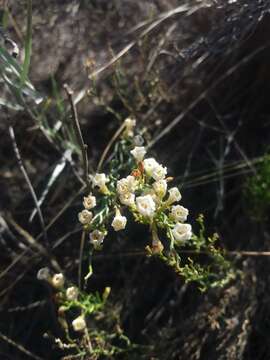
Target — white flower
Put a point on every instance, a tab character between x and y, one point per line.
72	293
127	199
154	169
58	281
159	172
160	188
119	222
149	165
138	152
44	274
174	195
179	213
97	237
85	217
89	202
182	232
146	205
129	127
79	323
100	181
130	123
126	185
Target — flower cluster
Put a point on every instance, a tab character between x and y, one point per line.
86	216
144	192
156	204
68	295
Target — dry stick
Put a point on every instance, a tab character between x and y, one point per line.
78	132
236	253
80	260
248	253
32	191
83	147
19	347
32	305
191	252
86	333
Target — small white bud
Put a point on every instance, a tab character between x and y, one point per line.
58	281
179	213
89	202
129	127
149	165
97	237
79	323
138	152
100	180
130	123
174	195
85	217
182	232
160	188
119	222
159	172
146	205
72	293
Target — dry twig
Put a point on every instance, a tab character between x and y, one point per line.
27	179
78	132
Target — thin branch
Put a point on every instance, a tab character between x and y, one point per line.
248	253
78	132
81	260
86	333
27	179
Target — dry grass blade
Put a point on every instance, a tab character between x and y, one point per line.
59	168
33	243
